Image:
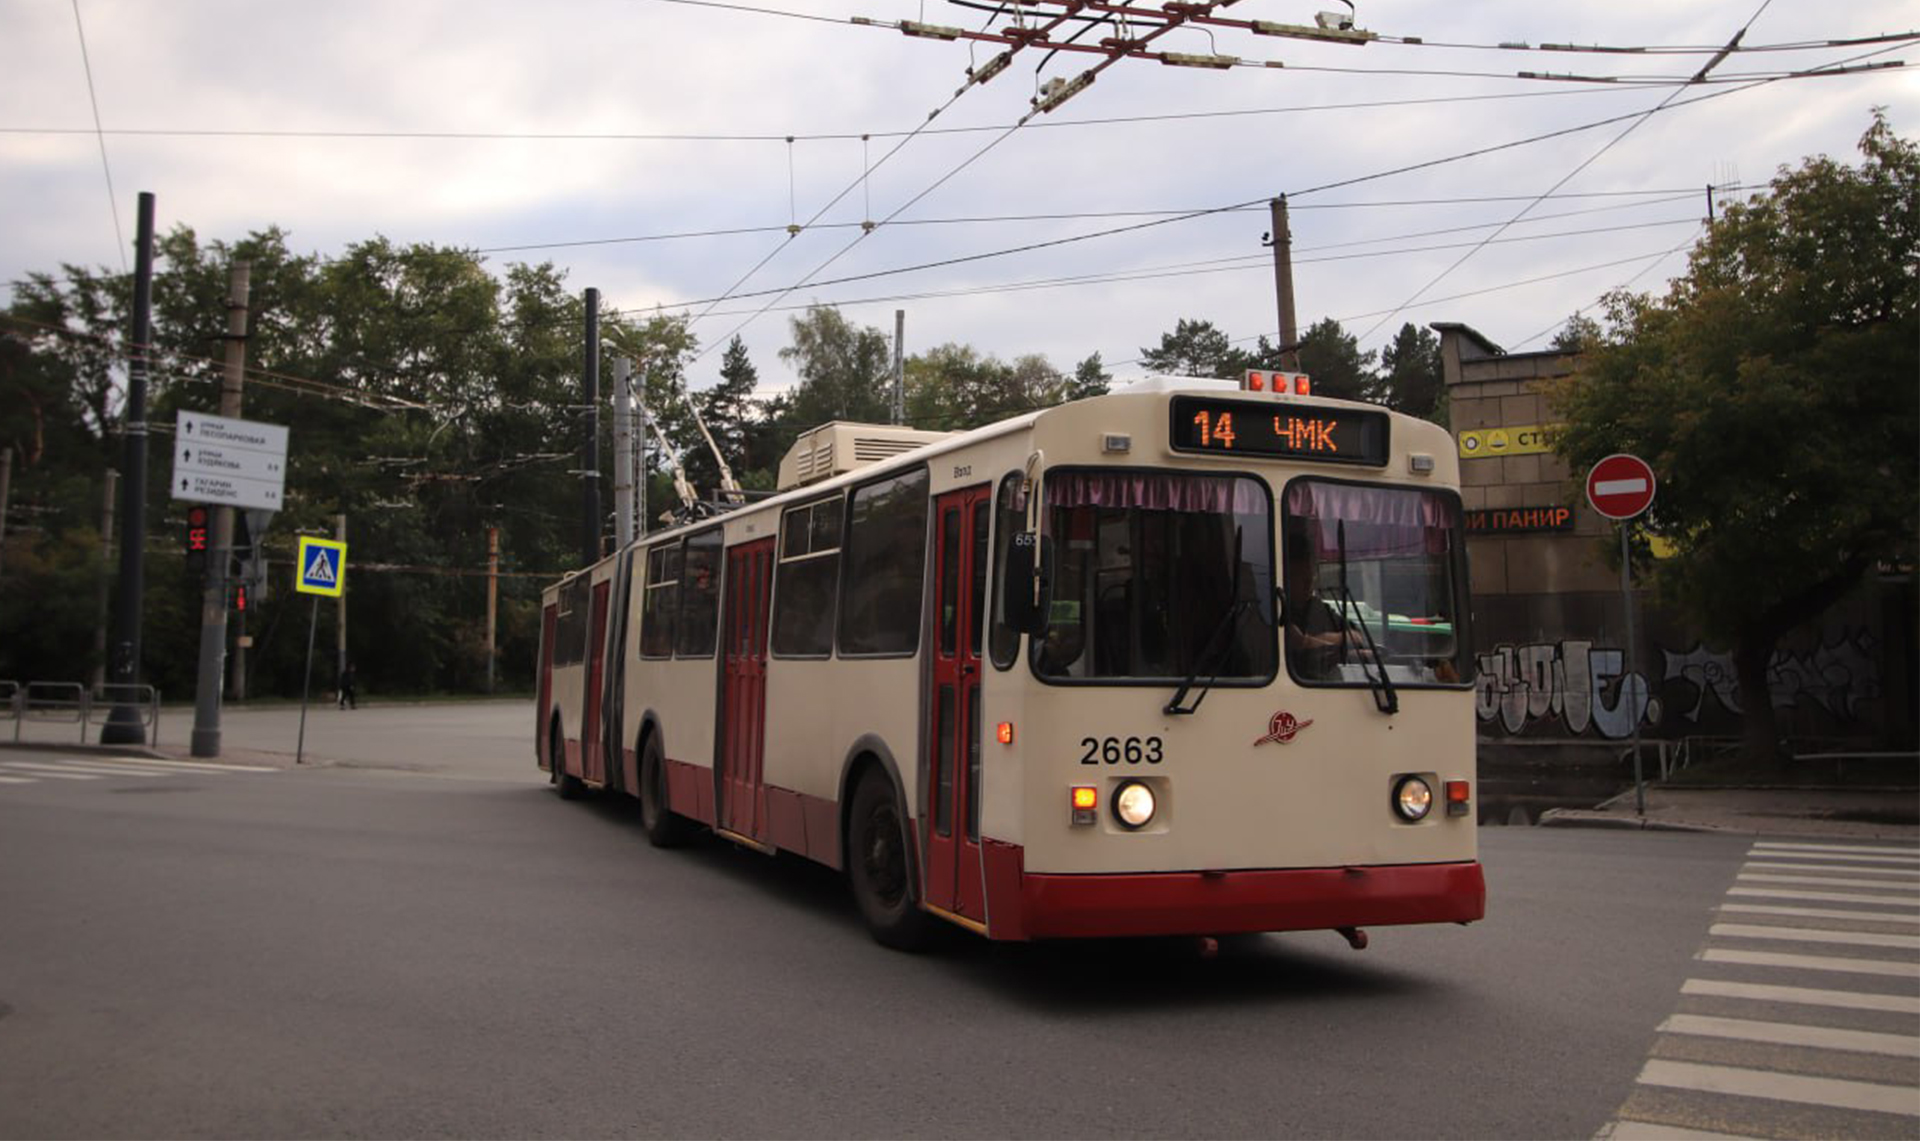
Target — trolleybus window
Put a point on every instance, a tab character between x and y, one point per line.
1374	573
657	610
1150	565
803	585
886	559
570	627
699	595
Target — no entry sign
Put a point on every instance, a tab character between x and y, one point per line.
1620	486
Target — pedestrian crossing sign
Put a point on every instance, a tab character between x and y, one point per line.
322	568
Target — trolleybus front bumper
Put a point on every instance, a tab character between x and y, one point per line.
1222	903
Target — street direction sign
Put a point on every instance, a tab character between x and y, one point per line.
1620	486
220	459
322	568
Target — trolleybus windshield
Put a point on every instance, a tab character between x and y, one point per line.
1146	572
1373	572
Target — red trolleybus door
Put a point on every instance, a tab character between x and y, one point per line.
593	758
743	709
543	712
952	817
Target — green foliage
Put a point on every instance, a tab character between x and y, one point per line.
1195	348
1332	357
1410	373
1773	391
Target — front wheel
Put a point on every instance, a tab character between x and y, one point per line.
879	869
665	828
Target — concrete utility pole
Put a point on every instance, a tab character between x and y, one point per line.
340	611
1282	243
108	485
899	366
590	447
644	429
213	595
622	451
493	595
124	725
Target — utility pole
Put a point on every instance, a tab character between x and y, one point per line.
108	486
899	366
1282	243
6	489
644	429
124	725
1709	201
493	595
590	447
213	595
340	611
622	452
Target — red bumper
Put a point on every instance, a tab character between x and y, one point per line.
1195	903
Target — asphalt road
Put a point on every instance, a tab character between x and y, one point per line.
426	942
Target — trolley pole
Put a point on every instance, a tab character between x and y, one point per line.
213	594
124	725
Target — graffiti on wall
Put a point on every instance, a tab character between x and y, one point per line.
1582	686
1836	676
1574	681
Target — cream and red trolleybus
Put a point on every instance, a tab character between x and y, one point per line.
1188	658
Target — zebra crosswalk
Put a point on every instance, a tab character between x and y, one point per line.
1803	1015
61	769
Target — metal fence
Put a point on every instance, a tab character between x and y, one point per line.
73	703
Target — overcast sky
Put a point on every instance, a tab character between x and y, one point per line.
184	86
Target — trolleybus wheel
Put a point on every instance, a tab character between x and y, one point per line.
665	828
878	868
564	783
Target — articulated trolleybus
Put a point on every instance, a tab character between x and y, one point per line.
1189	658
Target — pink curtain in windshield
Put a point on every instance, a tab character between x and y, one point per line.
1379	521
1214	494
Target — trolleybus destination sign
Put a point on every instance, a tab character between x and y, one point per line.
1278	429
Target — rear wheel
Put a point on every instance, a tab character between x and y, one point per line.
665	828
564	783
879	869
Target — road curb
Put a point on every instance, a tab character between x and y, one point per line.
1586	818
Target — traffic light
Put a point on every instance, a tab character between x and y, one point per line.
240	597
199	538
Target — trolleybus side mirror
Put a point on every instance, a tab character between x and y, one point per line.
1027	591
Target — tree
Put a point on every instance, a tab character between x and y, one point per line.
730	410
1332	357
843	370
1772	388
1195	348
1574	336
1410	379
1090	378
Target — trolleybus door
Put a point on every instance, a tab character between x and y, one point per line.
593	759
953	705
743	710
544	711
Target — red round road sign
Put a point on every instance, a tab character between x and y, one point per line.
1620	486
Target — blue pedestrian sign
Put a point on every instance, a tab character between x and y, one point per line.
322	568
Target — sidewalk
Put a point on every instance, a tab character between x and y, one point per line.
1855	814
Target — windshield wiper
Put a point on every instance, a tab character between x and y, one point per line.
1212	656
1385	698
1213	653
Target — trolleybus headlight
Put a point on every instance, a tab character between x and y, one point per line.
1133	805
1412	797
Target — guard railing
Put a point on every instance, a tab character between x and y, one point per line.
73	703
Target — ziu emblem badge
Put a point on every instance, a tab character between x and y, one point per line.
1282	728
